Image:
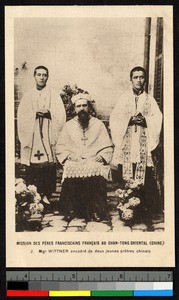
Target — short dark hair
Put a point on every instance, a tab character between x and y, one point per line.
137	69
41	67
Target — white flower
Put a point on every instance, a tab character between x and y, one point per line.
33	208
36	208
19	180
127	214
125	194
129	191
32	188
40	208
119	193
134	201
21	188
37	198
127	205
131	184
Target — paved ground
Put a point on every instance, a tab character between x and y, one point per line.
55	223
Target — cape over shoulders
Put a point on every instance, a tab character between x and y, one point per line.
123	98
30	91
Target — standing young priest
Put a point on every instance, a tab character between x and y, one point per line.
41	116
135	125
85	150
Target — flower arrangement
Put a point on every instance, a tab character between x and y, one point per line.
128	200
27	204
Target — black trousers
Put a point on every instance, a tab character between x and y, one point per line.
84	197
43	176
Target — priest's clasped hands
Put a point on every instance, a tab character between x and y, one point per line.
138	119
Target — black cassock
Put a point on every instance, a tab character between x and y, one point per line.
85	198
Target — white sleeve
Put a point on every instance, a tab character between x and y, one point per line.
58	115
26	120
154	124
118	121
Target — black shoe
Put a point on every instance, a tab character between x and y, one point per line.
69	217
96	218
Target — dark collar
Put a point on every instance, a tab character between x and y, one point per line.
136	92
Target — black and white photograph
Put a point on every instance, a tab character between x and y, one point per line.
88	124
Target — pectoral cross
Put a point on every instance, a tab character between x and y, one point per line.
84	138
38	154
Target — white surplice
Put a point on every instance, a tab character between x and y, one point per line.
87	145
28	126
119	120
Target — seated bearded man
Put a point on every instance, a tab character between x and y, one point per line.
85	150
